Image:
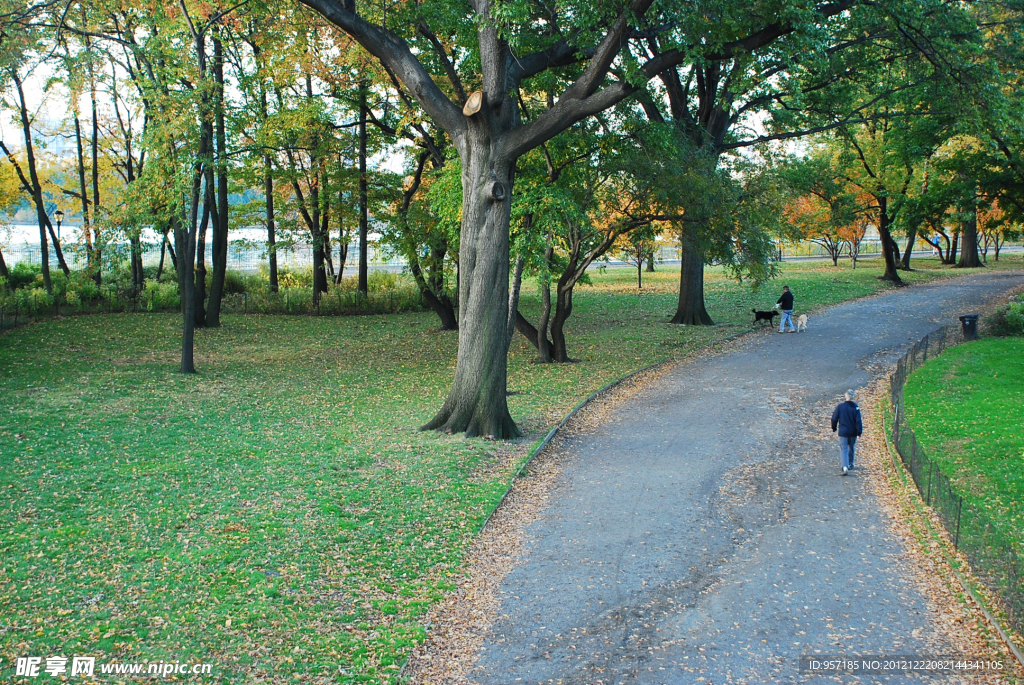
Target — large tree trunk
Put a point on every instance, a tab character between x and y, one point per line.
220	228
477	403
911	239
363	209
563	310
953	249
888	243
691	310
969	246
542	344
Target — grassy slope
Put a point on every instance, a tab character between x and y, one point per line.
279	514
967	409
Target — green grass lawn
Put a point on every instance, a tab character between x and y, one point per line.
279	515
966	407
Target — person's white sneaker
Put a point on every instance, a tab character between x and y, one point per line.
845	470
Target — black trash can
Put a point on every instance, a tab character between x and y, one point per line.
970	326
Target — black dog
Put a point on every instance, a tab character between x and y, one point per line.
765	316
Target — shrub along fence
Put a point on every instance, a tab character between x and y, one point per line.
991	553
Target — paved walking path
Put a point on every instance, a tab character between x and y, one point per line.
705	530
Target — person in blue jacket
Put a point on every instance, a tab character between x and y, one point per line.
846	419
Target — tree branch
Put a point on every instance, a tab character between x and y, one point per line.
394	52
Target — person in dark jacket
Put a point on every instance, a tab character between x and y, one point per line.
785	303
846	419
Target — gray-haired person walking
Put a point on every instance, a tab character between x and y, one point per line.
846	419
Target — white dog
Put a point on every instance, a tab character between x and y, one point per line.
801	323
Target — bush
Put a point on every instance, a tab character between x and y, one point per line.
83	285
24	274
159	296
286	278
1008	319
381	281
236	283
32	300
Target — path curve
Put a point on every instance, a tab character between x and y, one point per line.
705	529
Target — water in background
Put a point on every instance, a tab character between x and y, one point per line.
246	251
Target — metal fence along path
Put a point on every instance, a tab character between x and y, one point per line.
992	554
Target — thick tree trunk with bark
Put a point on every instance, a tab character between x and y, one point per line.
563	310
691	310
911	239
884	232
477	403
543	345
969	246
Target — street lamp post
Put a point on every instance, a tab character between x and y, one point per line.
59	216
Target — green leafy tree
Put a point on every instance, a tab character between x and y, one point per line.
590	55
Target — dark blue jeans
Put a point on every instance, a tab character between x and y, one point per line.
846	445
